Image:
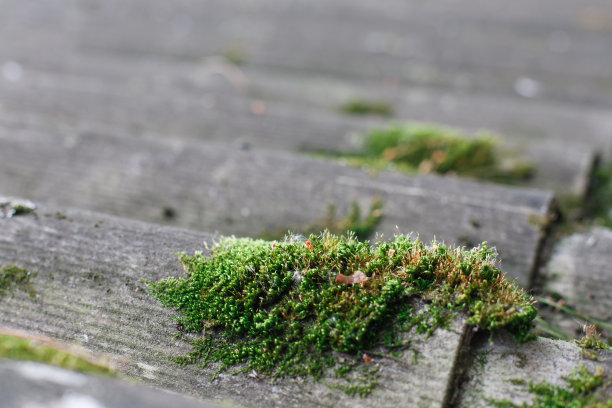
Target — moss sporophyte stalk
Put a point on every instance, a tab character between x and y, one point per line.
310	307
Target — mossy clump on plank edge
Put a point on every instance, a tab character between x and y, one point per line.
291	308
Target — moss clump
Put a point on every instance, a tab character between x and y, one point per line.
363	107
235	54
584	389
13	276
362	227
591	341
288	308
435	149
18	348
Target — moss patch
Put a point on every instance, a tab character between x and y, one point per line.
290	308
18	348
599	205
364	107
12	277
235	54
12	208
590	342
584	389
362	226
435	149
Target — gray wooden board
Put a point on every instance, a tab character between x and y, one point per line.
569	63
502	369
83	70
209	110
580	270
212	85
250	192
89	291
28	384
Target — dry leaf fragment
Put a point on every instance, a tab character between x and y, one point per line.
357	277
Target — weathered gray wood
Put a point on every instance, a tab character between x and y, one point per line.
434	49
502	369
580	270
89	291
180	81
27	384
249	192
142	103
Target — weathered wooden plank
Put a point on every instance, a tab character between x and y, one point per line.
250	192
89	291
566	63
580	271
32	384
288	120
502	369
146	74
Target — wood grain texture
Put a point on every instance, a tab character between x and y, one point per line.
198	101
250	192
502	369
89	291
433	45
580	271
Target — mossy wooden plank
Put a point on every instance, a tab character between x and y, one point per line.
501	369
579	272
254	192
89	291
35	384
199	101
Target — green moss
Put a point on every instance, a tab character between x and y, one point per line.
12	277
584	389
553	305
235	54
591	342
362	227
599	205
363	107
12	208
18	348
289	308
435	149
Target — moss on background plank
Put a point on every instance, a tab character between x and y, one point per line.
14	277
304	307
362	226
365	107
430	148
599	205
22	348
